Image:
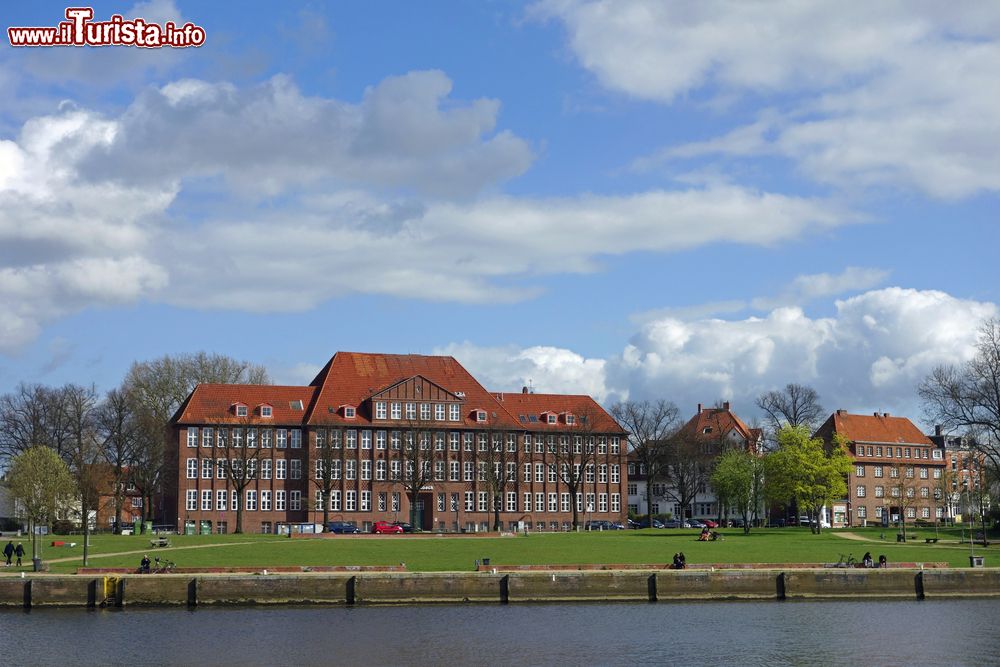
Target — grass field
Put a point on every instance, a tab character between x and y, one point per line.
443	554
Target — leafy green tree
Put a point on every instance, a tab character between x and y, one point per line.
41	484
738	480
804	470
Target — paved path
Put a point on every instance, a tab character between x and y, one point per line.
158	550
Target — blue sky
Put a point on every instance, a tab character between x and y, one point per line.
688	200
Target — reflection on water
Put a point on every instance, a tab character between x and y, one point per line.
931	632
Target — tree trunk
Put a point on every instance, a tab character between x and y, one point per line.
86	531
239	515
496	513
325	497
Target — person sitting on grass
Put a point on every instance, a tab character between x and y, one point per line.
683	561
704	537
716	536
144	564
866	560
677	562
882	562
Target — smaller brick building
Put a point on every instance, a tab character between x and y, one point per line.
895	473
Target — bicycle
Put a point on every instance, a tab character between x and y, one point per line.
850	562
163	566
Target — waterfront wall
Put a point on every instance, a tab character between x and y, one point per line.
374	588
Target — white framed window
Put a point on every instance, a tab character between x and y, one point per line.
366	439
454	412
192	468
265	501
425	411
351	501
380	409
468	471
191	500
280	438
351	439
241	411
527	502
602	502
480	415
539	502
527	472
879	491
616	503
251	437
439	412
394	439
539	472
206	468
861	512
265	411
615	445
206	437
279	500
366	469
453	471
296	438
265	468
382	501
470	499
439	442
527	443
295	500
251	501
453	440
553	502
335	500
570	419
237	437
860	491
616	474
206	500
379	439
349	412
366	501
859	471
878	471
280	469
192	437
350	469
602	474
551	419
467	441
296	468
221	465
395	501
483	501
511	501
380	469
411	410
265	438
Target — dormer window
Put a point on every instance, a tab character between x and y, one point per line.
266	411
707	429
570	419
480	415
240	409
551	418
350	412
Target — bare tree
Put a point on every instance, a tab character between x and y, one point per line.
237	443
329	465
967	397
82	452
413	463
649	426
686	467
795	405
32	416
575	459
497	467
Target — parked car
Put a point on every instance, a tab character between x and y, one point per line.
646	524
695	523
710	523
676	523
602	525
384	527
407	528
343	527
633	524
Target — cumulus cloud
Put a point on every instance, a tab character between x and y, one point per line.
870	355
891	93
263	139
806	288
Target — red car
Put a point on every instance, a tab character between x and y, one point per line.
710	523
386	527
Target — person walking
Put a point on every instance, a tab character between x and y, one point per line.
19	552
8	551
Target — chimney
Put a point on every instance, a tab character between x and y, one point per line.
938	429
876	414
841	411
699	407
725	405
524	389
885	414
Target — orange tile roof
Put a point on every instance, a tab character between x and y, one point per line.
349	378
535	404
721	421
211	403
877	428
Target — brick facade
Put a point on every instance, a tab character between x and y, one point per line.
352	426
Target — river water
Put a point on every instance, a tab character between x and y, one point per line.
930	632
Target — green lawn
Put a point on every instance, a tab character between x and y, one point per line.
436	554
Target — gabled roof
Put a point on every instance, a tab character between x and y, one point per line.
875	428
721	421
520	404
211	403
353	377
386	390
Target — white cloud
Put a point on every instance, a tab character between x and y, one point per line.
807	288
548	370
893	92
869	356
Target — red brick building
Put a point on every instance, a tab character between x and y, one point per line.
345	440
896	469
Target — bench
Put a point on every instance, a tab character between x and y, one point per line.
930	540
159	542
